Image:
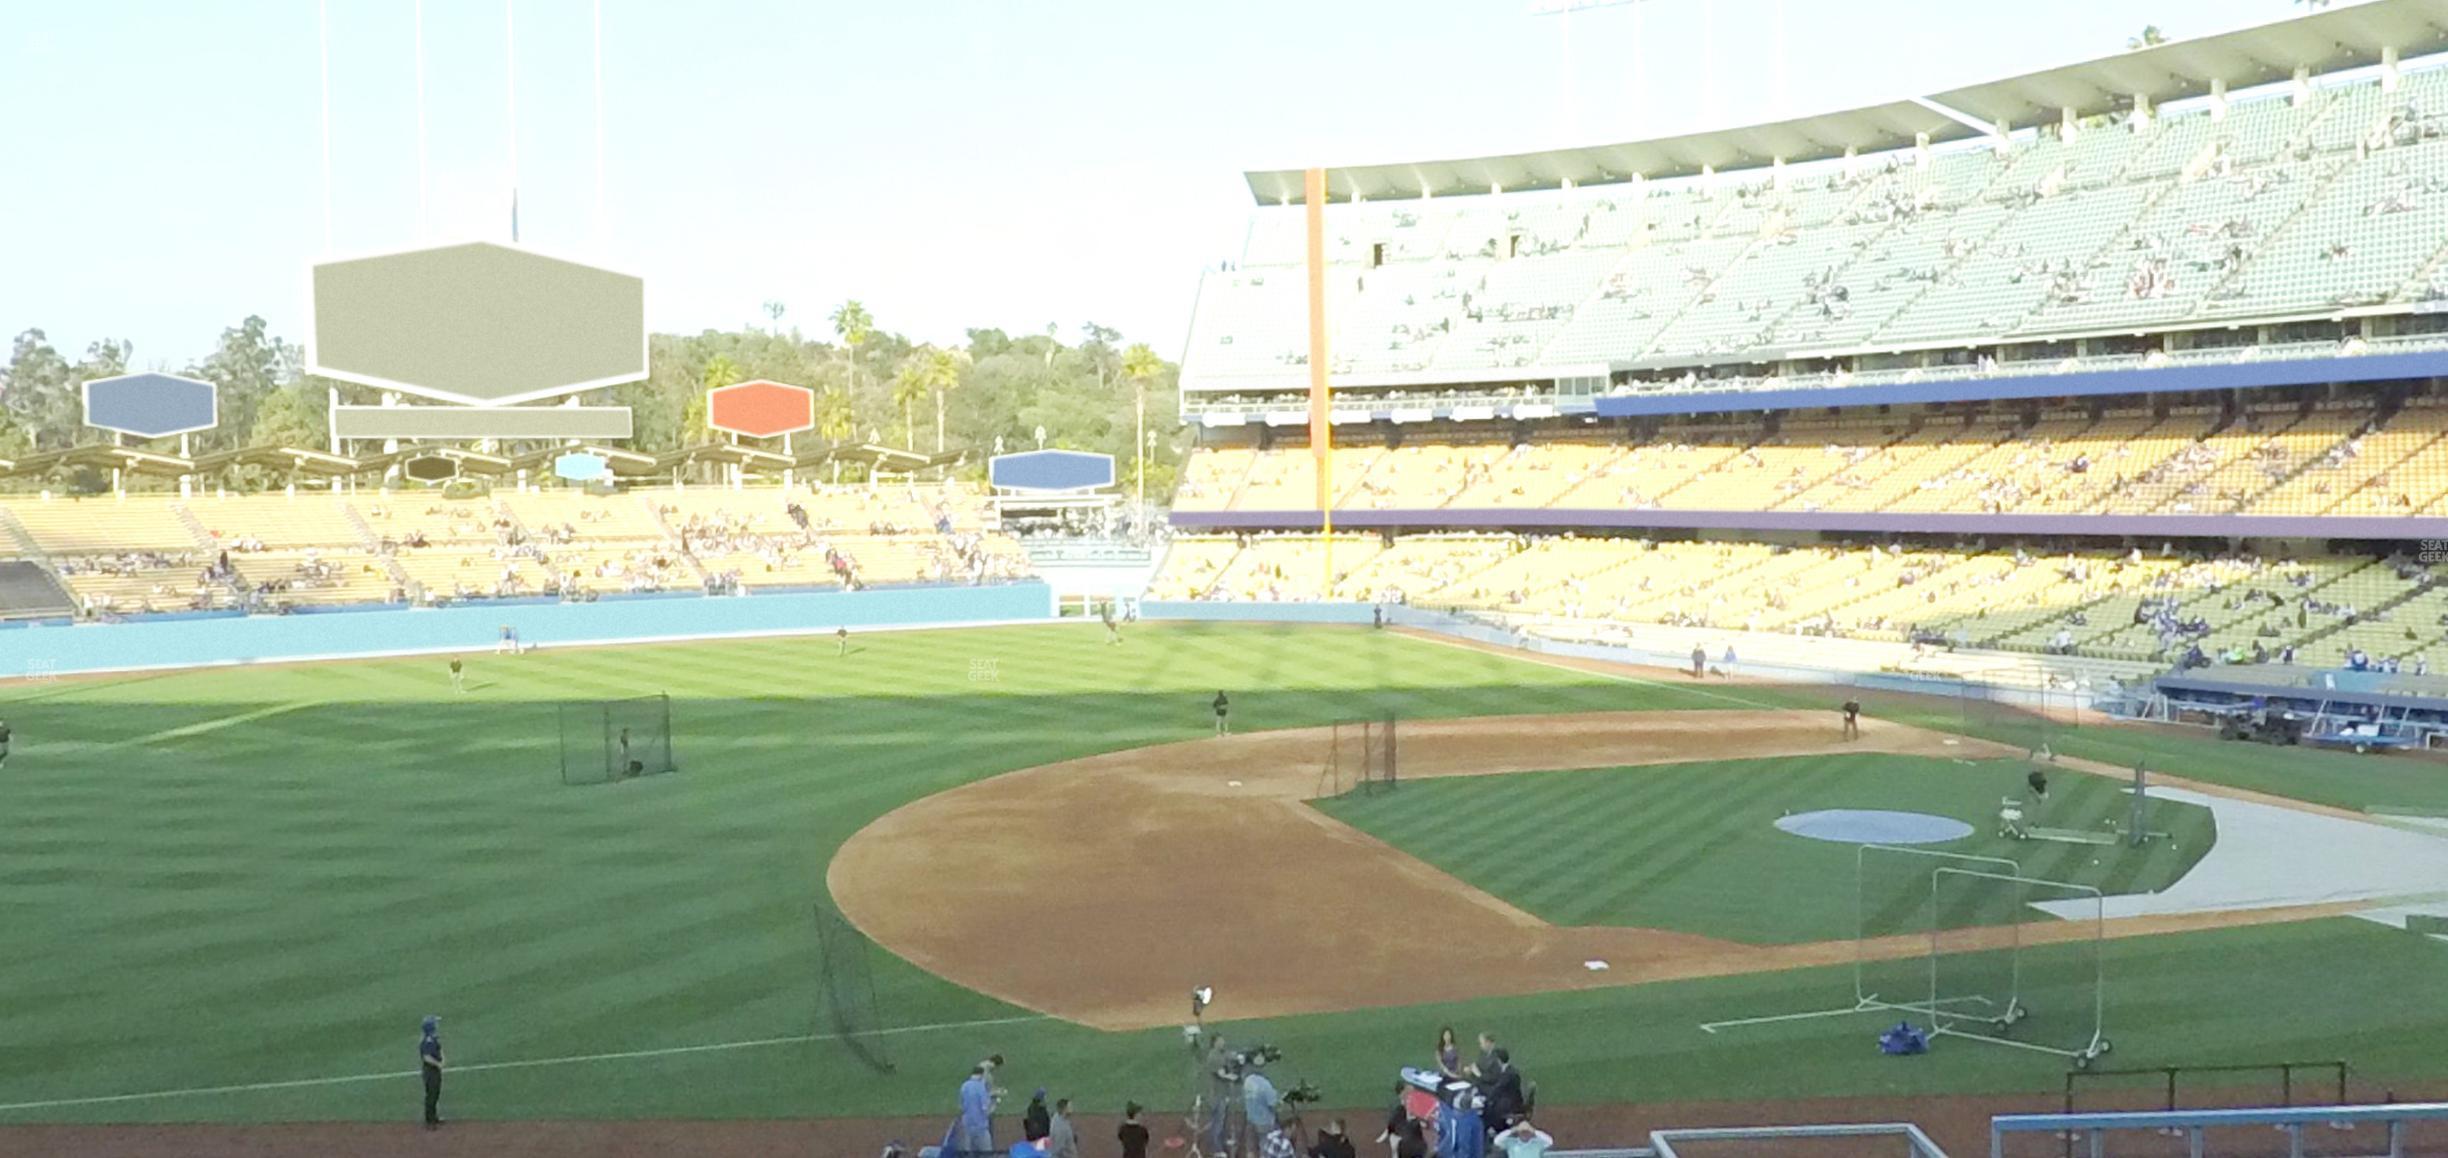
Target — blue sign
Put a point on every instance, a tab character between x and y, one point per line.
579	466
151	405
1051	470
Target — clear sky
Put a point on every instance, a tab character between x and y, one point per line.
951	163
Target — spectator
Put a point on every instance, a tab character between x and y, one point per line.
1332	1142
1501	1086
1524	1141
1133	1134
1487	1056
977	1113
1409	1137
1448	1053
1062	1140
1259	1103
1036	1122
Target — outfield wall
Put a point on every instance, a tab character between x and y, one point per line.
36	652
1463	627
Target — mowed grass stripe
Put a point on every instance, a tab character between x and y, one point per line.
1694	847
1694	829
284	896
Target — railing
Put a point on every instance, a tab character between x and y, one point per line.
1087	551
1916	1143
2285	1070
2171	1074
2194	1124
1196	403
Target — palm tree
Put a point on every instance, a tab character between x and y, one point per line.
852	324
720	371
1139	366
943	375
911	383
835	420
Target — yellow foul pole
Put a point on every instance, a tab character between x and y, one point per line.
1321	425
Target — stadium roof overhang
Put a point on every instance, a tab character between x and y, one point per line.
103	457
470	461
622	462
290	458
2331	40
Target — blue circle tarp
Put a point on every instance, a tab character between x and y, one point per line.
1874	826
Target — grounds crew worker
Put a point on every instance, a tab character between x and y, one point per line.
429	1061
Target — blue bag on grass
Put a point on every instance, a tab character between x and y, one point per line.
1903	1039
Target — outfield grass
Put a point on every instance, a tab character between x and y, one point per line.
267	875
1695	847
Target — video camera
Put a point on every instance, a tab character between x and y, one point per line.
1239	1063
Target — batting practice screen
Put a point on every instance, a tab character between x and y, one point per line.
847	1009
611	740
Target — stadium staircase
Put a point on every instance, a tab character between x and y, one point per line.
518	526
372	543
20	540
2275	236
671	536
195	527
2387	412
30	585
2424	273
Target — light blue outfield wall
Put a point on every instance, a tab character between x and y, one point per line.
1258	612
475	627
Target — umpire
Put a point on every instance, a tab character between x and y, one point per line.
429	1062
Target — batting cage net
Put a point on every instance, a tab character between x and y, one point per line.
613	740
1968	946
2016	960
1360	757
847	1009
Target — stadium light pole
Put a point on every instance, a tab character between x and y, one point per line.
510	67
323	42
1563	11
599	132
420	114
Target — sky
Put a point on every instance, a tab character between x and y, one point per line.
950	163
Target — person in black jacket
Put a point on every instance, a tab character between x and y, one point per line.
1037	1121
1501	1087
1132	1133
1403	1130
1332	1142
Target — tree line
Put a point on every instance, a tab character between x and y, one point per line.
872	386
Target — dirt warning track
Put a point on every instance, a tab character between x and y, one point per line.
1103	890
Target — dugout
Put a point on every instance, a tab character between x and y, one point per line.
2310	697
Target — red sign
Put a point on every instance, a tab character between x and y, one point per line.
761	409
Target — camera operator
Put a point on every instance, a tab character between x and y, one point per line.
1259	1102
1223	1089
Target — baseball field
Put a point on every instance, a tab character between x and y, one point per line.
230	895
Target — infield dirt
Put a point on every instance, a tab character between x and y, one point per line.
1102	890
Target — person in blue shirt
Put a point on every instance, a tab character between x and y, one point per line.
976	1114
1259	1104
429	1062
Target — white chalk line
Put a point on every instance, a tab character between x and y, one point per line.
528	1063
1543	659
217	723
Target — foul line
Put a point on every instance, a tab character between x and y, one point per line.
1526	655
530	1063
216	724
